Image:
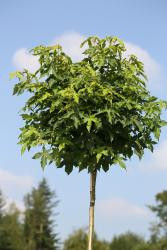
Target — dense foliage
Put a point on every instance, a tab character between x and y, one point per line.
127	241
88	114
78	240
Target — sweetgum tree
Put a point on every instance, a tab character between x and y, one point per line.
90	114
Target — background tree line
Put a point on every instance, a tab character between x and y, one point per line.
34	229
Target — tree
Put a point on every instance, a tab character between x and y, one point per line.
11	229
127	241
2	204
38	224
4	239
160	209
90	114
161	244
146	246
78	240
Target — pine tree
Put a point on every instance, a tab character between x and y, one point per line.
39	224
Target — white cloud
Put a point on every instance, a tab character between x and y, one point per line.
158	159
121	209
152	68
22	59
14	203
121	215
10	181
70	41
14	187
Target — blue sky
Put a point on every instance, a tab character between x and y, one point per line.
122	196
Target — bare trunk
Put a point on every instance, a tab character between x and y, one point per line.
91	209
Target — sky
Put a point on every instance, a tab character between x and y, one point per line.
122	196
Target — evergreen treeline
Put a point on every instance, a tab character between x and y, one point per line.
35	228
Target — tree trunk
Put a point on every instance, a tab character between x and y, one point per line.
91	209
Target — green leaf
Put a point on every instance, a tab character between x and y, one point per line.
37	156
105	167
163	123
68	168
12	75
61	146
157	132
15	74
140	152
89	124
121	162
101	152
139	125
15	90
43	161
23	149
98	156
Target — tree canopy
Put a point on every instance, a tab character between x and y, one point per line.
160	209
127	241
78	241
89	114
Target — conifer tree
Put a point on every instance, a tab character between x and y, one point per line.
39	224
